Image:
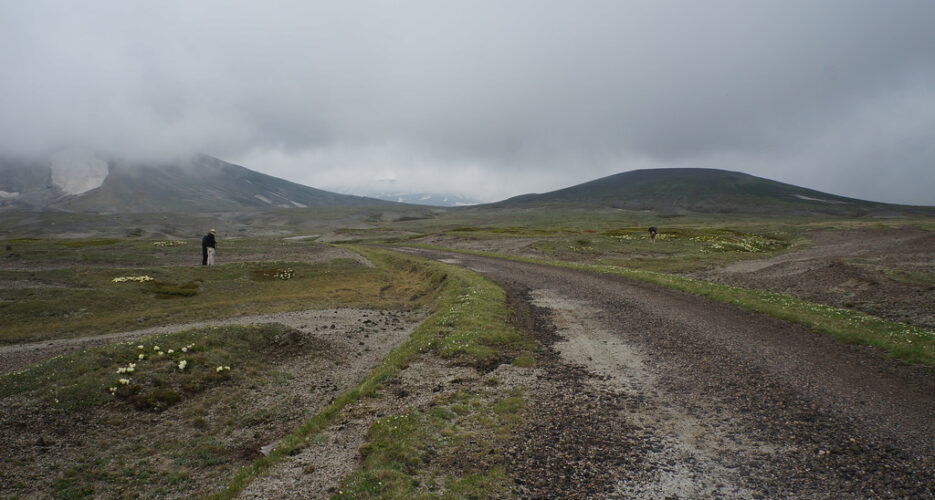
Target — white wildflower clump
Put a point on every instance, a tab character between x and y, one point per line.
124	381
130	368
183	364
138	279
141	357
223	368
171	351
284	274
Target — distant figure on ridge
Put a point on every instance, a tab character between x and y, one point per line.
207	248
652	234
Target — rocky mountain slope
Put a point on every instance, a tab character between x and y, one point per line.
86	183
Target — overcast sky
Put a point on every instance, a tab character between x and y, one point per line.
485	98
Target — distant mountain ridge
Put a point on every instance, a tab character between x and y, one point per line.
200	183
431	199
705	190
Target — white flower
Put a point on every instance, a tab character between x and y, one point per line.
142	356
124	381
220	369
139	346
121	370
184	349
183	364
155	347
171	351
112	389
162	353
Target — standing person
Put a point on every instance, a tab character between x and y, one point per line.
207	248
652	234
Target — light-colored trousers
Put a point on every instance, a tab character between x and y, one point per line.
210	256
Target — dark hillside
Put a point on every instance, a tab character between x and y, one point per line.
704	190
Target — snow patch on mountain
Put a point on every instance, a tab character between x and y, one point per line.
809	198
77	172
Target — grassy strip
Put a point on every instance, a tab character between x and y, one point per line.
468	324
907	343
90	300
406	456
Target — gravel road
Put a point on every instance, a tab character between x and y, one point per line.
651	393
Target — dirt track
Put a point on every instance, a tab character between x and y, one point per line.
651	393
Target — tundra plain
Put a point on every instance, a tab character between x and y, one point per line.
373	354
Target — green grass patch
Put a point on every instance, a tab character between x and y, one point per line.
151	374
413	455
89	243
919	277
169	290
524	361
907	343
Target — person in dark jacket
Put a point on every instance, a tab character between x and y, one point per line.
207	248
652	234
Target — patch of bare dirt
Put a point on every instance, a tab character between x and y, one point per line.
856	269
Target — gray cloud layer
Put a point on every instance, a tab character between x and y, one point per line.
486	98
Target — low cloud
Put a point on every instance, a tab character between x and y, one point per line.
491	99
